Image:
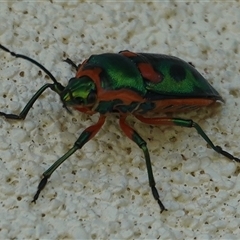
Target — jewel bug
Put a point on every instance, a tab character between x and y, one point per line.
141	84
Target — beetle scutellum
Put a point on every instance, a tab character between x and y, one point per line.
140	84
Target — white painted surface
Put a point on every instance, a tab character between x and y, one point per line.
108	196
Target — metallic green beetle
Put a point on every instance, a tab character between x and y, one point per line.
140	84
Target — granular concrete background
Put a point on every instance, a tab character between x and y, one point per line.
102	192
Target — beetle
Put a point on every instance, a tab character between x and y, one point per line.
140	84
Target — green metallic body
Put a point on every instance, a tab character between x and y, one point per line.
170	78
177	78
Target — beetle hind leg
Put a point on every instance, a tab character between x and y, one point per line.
190	124
134	136
218	149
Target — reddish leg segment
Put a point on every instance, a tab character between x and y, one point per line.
134	136
86	135
190	124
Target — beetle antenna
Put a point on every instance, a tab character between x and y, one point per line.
32	61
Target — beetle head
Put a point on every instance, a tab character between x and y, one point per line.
79	92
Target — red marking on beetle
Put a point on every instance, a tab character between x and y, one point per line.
84	110
93	73
128	54
176	105
125	95
82	65
149	73
156	121
145	68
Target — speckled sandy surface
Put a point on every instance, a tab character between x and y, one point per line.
102	191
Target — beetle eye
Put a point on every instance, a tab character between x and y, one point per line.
78	100
91	97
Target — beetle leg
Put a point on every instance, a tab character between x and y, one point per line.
86	135
26	109
190	124
134	136
70	62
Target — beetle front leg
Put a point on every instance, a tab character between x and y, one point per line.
86	135
190	124
71	62
28	106
134	136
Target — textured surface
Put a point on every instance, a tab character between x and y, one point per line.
102	191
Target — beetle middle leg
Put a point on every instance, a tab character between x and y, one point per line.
85	136
134	136
190	124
